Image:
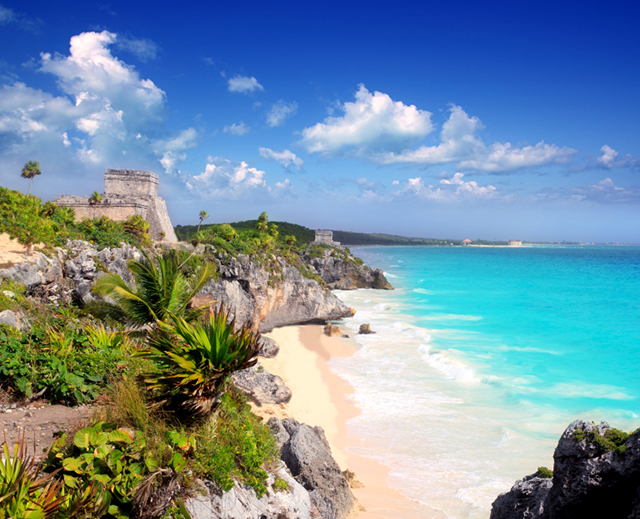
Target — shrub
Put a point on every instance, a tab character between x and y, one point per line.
544	472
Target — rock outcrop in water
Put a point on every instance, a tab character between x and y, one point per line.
588	480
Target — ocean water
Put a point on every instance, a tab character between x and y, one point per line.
481	359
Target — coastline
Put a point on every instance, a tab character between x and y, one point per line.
322	398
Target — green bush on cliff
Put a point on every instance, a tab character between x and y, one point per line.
613	439
28	220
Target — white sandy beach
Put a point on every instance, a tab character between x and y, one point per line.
321	398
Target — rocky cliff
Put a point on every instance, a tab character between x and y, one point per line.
342	271
269	295
592	477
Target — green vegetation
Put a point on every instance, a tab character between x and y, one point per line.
613	439
303	235
544	472
28	220
161	290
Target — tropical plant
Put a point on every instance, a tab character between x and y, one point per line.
160	290
95	198
23	493
30	170
194	360
203	216
273	230
263	221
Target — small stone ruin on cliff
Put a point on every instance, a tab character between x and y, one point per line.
126	193
326	237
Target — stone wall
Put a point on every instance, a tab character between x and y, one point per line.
130	182
127	193
326	237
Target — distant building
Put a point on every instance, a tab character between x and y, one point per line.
126	193
515	243
326	237
466	242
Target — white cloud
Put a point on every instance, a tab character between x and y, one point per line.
609	159
224	178
605	191
6	15
237	129
172	150
286	158
460	144
144	49
371	121
279	112
454	189
244	84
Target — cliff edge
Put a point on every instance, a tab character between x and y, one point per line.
596	473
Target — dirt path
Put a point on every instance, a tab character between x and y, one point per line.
39	422
11	251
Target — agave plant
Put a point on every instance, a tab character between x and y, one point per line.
160	290
194	360
23	492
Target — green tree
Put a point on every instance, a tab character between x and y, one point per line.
160	290
273	231
263	221
290	240
30	170
203	216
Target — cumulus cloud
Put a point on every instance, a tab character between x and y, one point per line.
237	129
244	84
372	121
452	189
286	158
279	112
223	178
460	144
609	159
107	111
605	191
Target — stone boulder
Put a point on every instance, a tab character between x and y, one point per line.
331	330
588	480
270	348
10	318
307	454
365	329
241	502
263	386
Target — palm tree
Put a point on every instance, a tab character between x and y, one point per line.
203	216
95	198
30	170
195	360
160	290
263	221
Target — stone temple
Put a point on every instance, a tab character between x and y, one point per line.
326	237
127	192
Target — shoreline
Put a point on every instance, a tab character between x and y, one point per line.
321	397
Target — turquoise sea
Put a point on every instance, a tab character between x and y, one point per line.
483	356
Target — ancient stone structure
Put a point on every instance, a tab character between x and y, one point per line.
126	193
326	237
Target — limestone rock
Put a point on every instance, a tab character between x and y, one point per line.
249	291
587	482
308	456
10	318
270	348
365	329
242	502
340	272
331	330
262	385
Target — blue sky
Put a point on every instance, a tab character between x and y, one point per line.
472	120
